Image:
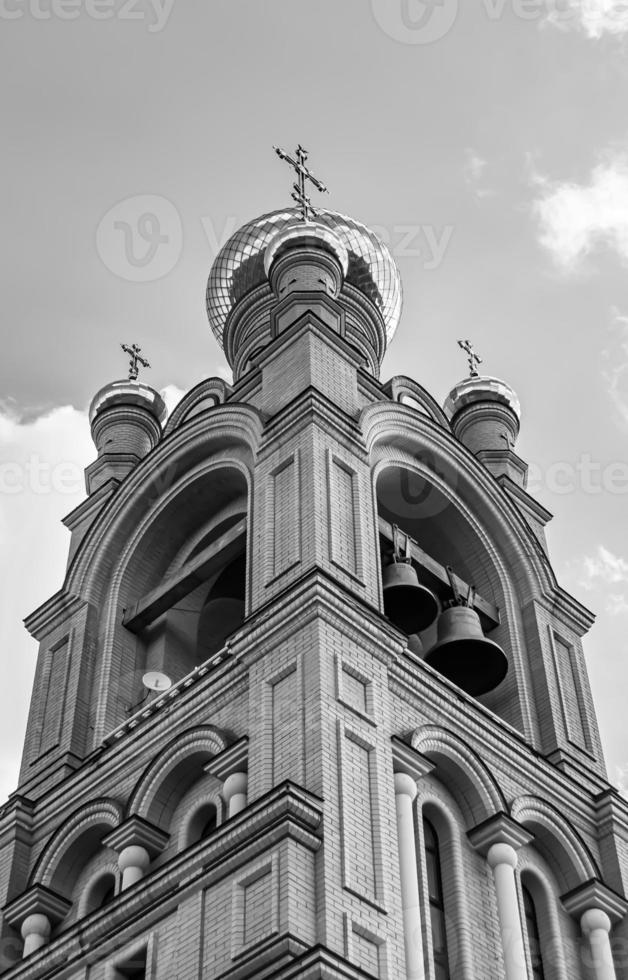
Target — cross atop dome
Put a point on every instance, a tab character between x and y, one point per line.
303	173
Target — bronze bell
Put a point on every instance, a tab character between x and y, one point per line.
407	603
464	655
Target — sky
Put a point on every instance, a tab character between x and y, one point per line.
486	144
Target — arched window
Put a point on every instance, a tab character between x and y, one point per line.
202	824
101	893
436	902
533	935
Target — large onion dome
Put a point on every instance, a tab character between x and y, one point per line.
239	266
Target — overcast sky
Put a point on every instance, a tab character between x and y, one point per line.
488	145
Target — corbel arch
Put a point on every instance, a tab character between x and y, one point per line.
557	841
461	771
172	772
78	838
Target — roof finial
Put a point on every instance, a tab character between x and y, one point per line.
474	359
303	174
135	358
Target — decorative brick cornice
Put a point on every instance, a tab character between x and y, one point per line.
408	760
37	900
233	759
594	894
612	810
287	811
58	609
91	505
137	831
500	829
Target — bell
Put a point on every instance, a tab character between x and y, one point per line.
464	655
407	603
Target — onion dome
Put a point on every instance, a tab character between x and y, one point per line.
126	419
484	413
242	264
480	389
121	393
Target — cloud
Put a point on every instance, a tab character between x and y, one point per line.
474	168
603	571
574	219
41	480
593	18
42	462
615	360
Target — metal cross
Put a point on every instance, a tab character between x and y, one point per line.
134	353
474	359
303	174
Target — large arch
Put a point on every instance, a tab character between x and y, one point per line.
429	484
462	772
172	772
73	843
397	435
557	841
229	437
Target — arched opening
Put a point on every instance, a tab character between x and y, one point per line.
202	824
223	610
100	893
436	901
532	935
422	504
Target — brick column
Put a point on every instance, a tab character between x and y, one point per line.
502	860
137	842
234	792
498	839
35	913
597	907
405	795
596	927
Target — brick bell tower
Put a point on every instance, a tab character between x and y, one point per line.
310	702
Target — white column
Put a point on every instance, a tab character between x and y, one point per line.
234	792
133	862
405	795
502	859
35	932
596	927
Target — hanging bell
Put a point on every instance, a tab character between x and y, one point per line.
464	655
407	603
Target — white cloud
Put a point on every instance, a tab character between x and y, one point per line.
603	571
615	359
574	219
474	168
593	18
41	480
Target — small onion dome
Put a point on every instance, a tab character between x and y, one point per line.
127	393
480	389
126	419
484	413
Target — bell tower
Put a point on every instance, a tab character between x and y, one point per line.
373	751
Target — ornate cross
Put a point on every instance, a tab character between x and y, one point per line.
134	353
474	359
303	174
